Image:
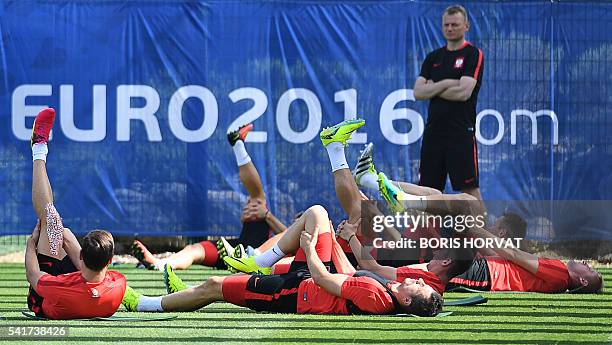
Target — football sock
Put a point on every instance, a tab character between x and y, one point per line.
242	156
269	257
40	151
335	151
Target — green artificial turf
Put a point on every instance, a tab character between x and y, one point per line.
505	319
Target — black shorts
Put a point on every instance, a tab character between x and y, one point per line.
352	259
476	277
253	234
54	267
303	266
456	157
272	293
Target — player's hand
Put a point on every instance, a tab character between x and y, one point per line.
346	229
254	210
36	232
308	241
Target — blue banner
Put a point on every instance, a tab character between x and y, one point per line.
146	90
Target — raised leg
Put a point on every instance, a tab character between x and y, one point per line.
313	216
251	181
51	227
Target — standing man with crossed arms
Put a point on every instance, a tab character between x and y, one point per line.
450	79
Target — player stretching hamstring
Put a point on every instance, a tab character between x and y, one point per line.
66	281
257	221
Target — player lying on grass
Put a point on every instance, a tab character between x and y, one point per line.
257	220
309	287
511	269
436	273
66	281
517	270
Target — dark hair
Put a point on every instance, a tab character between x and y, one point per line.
514	224
97	250
461	259
592	288
453	9
423	306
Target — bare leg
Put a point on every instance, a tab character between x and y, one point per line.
251	180
191	254
196	297
42	195
348	194
416	190
453	204
314	216
475	192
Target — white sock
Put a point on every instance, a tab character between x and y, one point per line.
415	202
242	156
159	264
369	181
269	257
40	151
250	251
146	303
335	151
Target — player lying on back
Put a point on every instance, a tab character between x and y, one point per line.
517	270
257	220
508	269
66	281
309	287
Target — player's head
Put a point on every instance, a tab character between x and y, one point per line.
448	263
455	23
510	225
418	298
97	250
584	277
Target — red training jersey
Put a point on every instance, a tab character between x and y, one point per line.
552	276
429	278
70	296
366	293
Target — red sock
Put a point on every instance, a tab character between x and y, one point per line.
211	253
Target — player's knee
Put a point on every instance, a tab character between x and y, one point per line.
468	203
471	193
317	210
215	282
211	284
191	247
